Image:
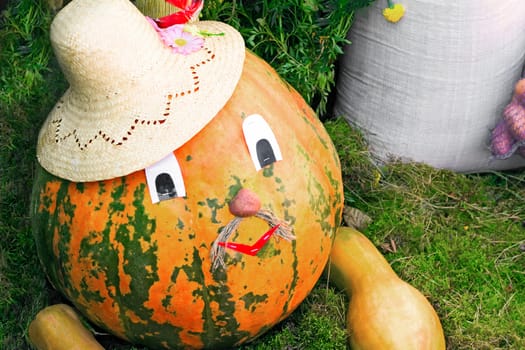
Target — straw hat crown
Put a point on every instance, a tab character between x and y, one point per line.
132	99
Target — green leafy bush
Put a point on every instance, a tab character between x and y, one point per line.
300	39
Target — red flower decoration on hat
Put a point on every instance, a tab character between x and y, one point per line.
189	11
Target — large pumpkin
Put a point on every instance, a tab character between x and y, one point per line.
143	271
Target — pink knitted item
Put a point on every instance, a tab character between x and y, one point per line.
508	137
514	117
502	141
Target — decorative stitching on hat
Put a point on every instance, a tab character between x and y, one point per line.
138	121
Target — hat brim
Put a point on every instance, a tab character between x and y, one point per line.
118	129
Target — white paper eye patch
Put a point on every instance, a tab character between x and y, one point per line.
261	141
165	179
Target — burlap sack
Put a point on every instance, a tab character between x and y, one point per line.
431	87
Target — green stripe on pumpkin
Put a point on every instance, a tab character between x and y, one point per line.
293	283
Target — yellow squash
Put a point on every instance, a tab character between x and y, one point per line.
385	312
58	327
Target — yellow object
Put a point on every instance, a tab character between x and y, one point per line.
384	312
155	8
394	13
58	327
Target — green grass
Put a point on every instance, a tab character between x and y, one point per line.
460	239
28	88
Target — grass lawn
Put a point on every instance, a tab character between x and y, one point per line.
459	239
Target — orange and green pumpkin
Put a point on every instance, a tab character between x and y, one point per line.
143	271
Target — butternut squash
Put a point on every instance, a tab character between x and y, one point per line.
385	312
58	327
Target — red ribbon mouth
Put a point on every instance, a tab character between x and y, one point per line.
254	248
278	229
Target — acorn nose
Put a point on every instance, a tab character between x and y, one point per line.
245	203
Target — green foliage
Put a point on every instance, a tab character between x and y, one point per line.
300	39
27	92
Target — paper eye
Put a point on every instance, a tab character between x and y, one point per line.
165	179
262	144
165	186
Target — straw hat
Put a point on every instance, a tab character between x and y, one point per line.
132	99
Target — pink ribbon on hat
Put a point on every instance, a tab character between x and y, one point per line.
189	10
